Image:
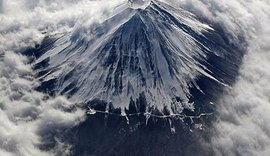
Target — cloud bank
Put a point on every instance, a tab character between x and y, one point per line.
243	128
243	125
26	116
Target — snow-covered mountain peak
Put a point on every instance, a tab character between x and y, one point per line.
139	4
154	57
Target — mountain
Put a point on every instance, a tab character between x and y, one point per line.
154	56
150	75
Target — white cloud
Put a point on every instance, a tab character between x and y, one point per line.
243	127
26	114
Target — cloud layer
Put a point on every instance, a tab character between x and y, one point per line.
243	125
28	116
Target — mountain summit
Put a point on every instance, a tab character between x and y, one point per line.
139	3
